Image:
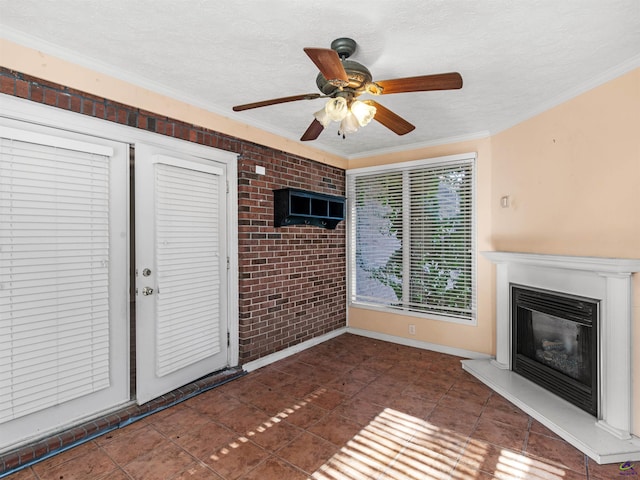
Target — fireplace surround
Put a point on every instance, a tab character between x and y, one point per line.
606	436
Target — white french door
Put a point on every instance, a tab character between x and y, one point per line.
63	279
181	269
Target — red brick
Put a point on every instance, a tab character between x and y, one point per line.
7	85
22	89
37	94
50	97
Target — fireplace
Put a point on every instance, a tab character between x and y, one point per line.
570	305
555	343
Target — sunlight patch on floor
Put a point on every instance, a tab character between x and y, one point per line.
397	446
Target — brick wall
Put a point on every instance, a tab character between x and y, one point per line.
292	279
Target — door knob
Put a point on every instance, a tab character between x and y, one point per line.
147	291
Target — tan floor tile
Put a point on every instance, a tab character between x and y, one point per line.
359	410
470	392
556	452
502	435
484	457
133	443
451	419
467	405
198	471
440	381
377	394
237	459
214	403
273	378
416	407
91	465
244	418
274	468
204	441
240	387
346	386
361	374
506	413
271	401
275	435
323	375
336	429
117	474
428	437
114	434
425	392
160	464
181	422
326	398
359	462
308	452
304	414
421	464
463	472
299	389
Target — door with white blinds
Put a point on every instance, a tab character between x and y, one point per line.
181	270
63	279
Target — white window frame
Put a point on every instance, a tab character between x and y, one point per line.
351	176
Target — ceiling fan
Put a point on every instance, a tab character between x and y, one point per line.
343	81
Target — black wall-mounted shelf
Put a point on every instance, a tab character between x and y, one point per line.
300	207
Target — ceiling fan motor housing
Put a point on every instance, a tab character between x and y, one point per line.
359	77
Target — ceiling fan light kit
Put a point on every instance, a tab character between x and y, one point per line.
343	81
351	117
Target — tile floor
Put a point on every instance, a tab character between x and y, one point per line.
350	408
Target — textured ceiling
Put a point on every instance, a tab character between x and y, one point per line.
516	58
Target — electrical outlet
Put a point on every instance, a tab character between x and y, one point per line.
412	329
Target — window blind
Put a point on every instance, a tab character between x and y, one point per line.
54	271
412	234
188	245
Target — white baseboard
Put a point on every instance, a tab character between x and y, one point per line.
287	352
458	352
282	354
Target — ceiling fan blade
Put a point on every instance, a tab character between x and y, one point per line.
313	131
424	83
392	121
275	101
328	62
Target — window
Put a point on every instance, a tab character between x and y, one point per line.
411	231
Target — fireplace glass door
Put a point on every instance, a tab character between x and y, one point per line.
555	344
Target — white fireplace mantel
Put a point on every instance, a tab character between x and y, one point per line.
607	280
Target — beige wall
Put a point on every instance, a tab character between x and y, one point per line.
573	176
